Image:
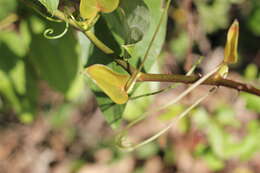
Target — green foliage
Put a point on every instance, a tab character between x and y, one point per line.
251	72
52	54
254	20
112	111
9	7
90	8
180	44
129	22
214	15
223	144
147	151
252	102
17	81
127	27
27	56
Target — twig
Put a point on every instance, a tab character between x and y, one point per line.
148	77
191	79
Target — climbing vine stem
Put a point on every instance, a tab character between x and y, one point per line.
146	77
63	17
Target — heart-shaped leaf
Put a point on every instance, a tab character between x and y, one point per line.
112	83
107	6
130	22
113	112
90	8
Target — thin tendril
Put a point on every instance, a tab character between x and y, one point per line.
48	32
122	142
122	138
30	4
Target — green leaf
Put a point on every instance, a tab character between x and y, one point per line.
251	72
7	91
7	7
51	5
155	8
18	85
252	101
17	42
107	6
113	84
129	22
113	112
56	61
88	8
254	20
215	163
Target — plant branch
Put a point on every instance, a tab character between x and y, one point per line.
60	15
148	77
145	77
91	36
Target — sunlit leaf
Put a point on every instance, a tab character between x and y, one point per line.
230	55
112	83
107	6
113	112
90	8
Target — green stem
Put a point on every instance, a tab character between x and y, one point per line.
91	36
60	15
98	43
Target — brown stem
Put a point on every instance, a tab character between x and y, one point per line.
191	79
148	77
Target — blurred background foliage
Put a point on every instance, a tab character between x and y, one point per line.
49	120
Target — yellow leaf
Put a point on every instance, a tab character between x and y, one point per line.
112	83
230	55
107	6
88	9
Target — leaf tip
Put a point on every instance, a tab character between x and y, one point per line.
230	56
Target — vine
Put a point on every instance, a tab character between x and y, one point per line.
119	86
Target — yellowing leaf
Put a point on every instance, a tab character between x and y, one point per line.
90	8
112	83
230	55
107	6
